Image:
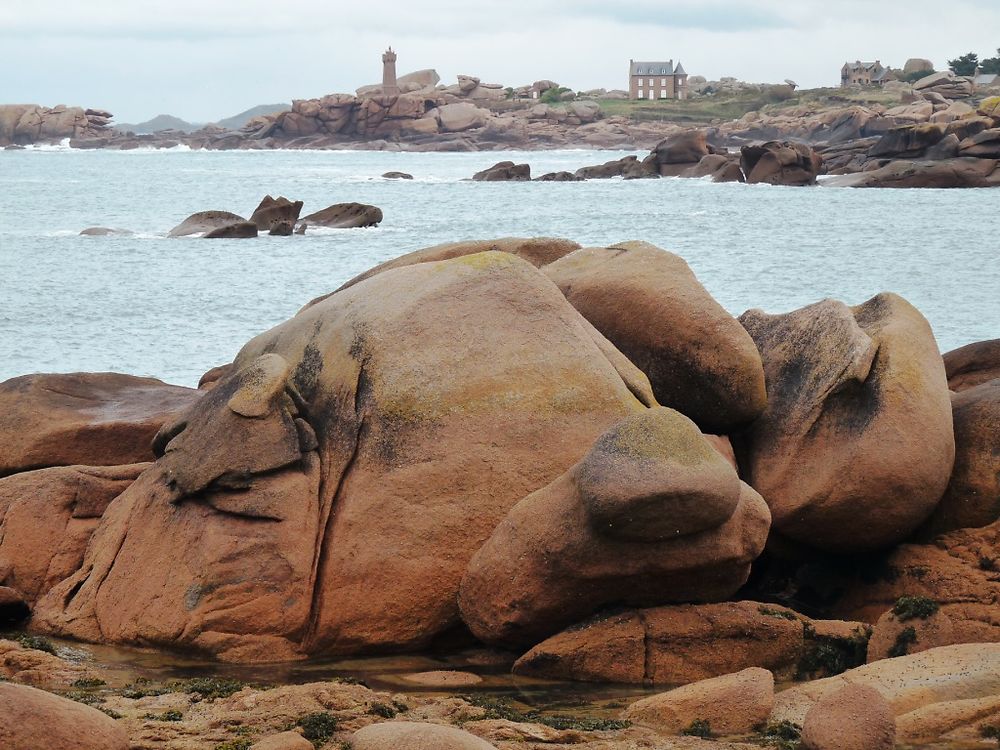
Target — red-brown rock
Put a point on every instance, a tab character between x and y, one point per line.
780	163
34	719
649	304
98	419
856	717
262	531
856	445
972	497
681	644
973	364
47	517
651	515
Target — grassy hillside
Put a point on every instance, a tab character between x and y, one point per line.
723	107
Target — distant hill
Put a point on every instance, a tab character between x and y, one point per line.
169	122
238	121
160	122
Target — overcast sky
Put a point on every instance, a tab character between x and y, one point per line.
207	59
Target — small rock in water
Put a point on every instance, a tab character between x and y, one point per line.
443	678
397	176
243	230
281	229
301	228
104	232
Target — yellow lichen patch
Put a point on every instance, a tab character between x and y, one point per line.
662	434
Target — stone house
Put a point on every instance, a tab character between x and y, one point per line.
864	74
657	80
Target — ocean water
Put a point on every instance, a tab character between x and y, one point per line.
173	308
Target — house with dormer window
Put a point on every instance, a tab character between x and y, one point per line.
657	80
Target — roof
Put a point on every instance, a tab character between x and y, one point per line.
679	70
858	65
985	79
654	68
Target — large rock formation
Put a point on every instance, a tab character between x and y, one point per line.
98	419
649	304
856	445
262	530
30	123
651	515
780	163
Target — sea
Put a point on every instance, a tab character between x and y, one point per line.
172	308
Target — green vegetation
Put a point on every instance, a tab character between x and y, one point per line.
240	744
37	642
382	709
171	715
109	712
208	688
699	728
89	682
965	65
907	637
498	708
914	607
784	614
551	96
783	735
988	732
991	64
703	110
318	727
142	688
827	655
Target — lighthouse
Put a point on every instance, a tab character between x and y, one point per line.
389	85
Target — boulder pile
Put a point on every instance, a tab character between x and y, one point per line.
574	454
29	123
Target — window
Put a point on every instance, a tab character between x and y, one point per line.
663	81
650	83
663	93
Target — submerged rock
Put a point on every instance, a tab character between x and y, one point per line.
241	231
345	216
504	171
275	212
205	221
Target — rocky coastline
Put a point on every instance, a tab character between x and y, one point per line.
571	462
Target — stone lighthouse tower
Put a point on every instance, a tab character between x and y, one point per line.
389	85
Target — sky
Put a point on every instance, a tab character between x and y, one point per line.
203	60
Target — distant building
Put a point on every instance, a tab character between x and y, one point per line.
985	79
389	85
864	74
657	80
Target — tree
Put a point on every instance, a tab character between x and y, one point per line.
965	65
991	64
